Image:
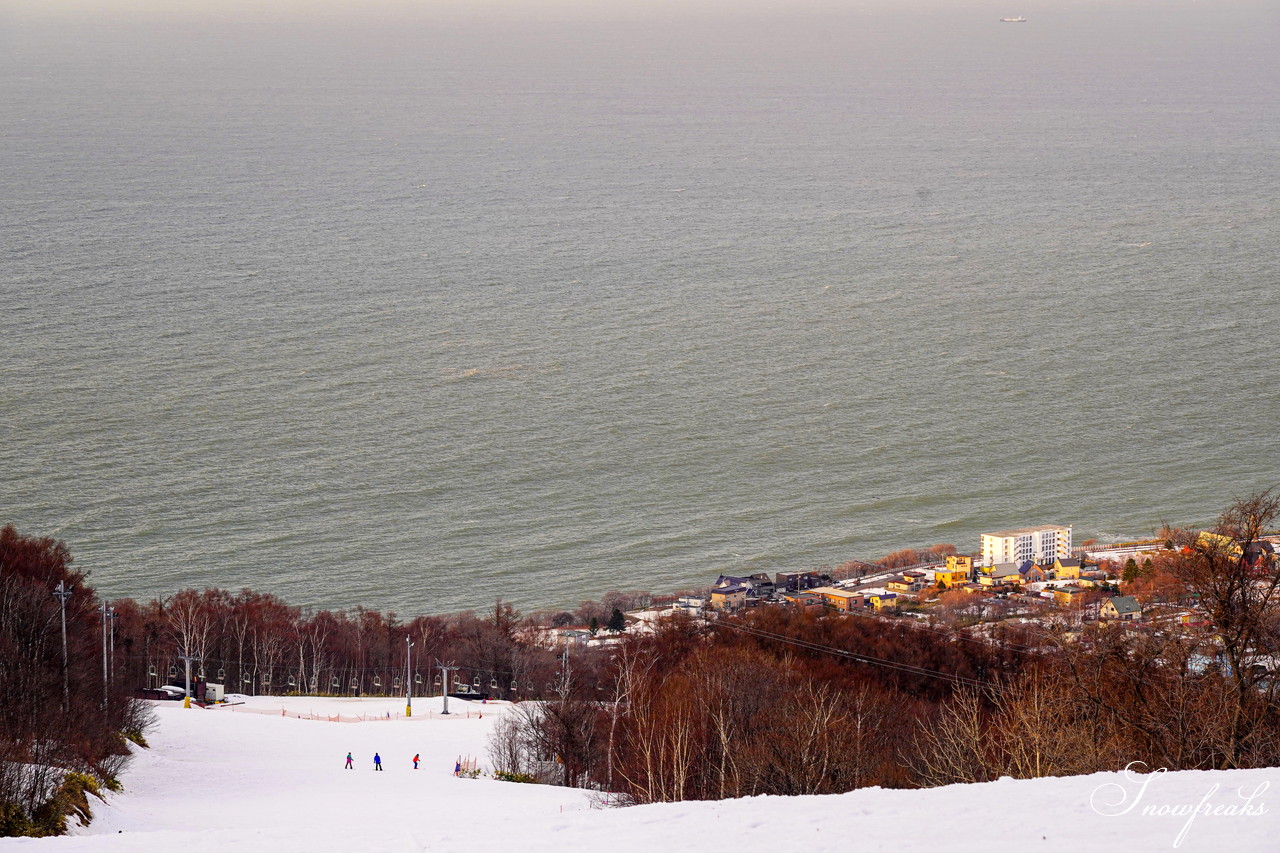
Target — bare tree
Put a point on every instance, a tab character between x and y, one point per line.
952	746
1234	573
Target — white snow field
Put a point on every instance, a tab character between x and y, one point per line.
247	778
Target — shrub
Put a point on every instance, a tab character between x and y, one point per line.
71	798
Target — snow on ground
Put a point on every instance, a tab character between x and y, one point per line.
232	780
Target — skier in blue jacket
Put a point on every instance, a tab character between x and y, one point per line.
377	761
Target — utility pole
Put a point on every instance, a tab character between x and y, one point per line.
444	682
105	691
62	594
408	676
565	673
114	617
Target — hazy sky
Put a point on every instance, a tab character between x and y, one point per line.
320	9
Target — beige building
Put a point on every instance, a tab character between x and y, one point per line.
1042	544
840	599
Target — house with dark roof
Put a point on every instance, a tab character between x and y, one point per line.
1122	607
804	600
1068	596
758	585
1031	573
796	581
731	596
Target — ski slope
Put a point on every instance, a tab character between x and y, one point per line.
253	778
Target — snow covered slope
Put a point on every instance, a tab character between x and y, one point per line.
235	780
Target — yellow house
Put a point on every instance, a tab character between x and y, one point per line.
880	599
729	598
959	563
1068	596
950	577
1122	607
1218	542
1066	569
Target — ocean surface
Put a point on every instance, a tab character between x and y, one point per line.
415	310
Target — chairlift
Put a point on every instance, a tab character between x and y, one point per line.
355	685
293	682
266	678
417	678
377	682
528	687
200	673
395	682
475	682
222	674
151	670
336	684
493	683
173	672
438	681
247	678
551	686
514	687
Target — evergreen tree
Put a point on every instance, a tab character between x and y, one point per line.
617	622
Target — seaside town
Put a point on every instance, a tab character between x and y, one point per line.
1025	575
1031	578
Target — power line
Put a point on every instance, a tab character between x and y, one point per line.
911	669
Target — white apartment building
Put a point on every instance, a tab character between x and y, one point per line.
1042	544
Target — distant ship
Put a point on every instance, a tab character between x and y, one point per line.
1018	20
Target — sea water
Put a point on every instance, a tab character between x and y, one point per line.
415	310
